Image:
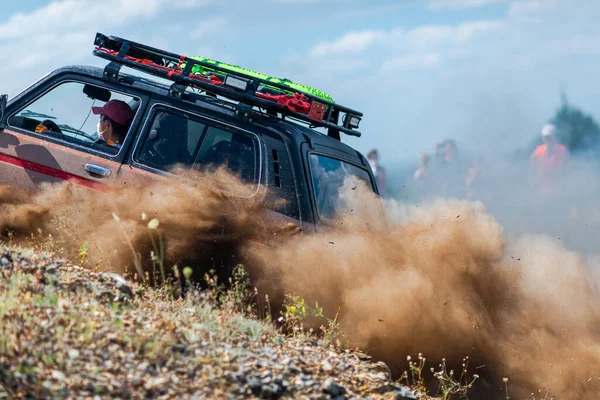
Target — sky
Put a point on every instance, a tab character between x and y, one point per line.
487	73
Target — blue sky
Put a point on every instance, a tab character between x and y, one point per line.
485	72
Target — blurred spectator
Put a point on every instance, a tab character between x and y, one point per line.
474	181
452	173
450	152
378	171
548	163
423	178
438	155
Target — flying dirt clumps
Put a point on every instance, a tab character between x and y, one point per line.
201	222
443	281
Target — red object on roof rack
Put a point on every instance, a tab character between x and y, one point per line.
298	102
236	86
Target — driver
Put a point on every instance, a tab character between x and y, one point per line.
115	118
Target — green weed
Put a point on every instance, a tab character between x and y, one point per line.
295	312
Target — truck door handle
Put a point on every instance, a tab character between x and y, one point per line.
97	171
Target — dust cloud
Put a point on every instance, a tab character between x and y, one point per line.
202	222
444	279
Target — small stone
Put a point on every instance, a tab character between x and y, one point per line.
73	353
136	381
5	261
239	377
382	367
156	383
327	367
51	269
332	388
267	380
265	373
404	393
254	385
293	369
59	376
272	391
143	366
121	283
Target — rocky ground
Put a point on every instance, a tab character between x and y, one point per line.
69	332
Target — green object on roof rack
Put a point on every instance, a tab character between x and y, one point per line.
198	69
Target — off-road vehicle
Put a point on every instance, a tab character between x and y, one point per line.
185	110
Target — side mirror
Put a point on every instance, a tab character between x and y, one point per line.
3	101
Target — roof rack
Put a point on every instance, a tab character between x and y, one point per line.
235	85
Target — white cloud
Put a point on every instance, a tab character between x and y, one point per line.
65	29
209	27
576	45
189	4
432	35
533	6
349	43
437	5
423	38
296	1
64	15
412	61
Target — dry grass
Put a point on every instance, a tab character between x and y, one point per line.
71	332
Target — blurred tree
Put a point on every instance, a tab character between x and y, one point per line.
576	129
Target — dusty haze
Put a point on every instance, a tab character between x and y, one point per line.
443	279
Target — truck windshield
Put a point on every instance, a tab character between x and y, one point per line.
329	178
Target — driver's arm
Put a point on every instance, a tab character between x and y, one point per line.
47	126
41	128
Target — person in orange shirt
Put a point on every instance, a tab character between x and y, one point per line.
548	163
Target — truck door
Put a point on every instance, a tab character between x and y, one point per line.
50	135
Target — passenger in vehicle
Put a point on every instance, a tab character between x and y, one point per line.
115	119
170	144
235	156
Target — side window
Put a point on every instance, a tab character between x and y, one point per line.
329	176
172	139
175	138
82	114
235	150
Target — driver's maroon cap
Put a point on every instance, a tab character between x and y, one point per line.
116	110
